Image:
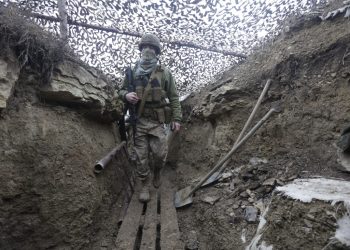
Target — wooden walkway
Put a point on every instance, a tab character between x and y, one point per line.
151	226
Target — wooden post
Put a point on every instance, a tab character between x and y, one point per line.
64	22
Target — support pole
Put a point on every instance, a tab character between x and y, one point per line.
64	20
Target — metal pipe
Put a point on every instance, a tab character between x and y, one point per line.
101	164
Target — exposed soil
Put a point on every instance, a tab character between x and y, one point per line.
50	197
308	225
310	69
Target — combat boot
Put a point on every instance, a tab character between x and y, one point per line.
144	193
156	177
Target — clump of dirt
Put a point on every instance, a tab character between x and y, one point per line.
309	68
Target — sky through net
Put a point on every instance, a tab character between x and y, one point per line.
228	26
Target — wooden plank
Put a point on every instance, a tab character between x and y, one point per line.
149	234
128	230
169	227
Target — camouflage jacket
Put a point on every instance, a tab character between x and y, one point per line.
168	85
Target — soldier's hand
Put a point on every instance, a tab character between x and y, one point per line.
132	97
175	126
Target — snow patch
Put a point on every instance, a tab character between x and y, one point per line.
343	230
263	246
326	190
259	232
320	188
243	236
184	97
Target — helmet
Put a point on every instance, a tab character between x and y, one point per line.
150	39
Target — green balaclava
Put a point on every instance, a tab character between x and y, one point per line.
147	62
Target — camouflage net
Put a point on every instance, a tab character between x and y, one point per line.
236	26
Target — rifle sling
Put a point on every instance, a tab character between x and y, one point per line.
145	93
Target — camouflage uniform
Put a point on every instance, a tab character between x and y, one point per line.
153	91
150	133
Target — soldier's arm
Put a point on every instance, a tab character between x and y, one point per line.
124	89
170	89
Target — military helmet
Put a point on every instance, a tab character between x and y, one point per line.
150	39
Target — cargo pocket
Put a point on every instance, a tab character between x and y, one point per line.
139	91
149	96
168	114
156	94
160	115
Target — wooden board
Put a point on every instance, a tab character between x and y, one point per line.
149	234
169	233
128	230
144	227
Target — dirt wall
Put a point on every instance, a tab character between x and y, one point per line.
49	196
309	68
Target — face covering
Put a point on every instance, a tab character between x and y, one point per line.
147	63
148	54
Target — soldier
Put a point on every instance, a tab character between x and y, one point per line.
151	88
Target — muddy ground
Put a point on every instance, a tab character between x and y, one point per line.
310	70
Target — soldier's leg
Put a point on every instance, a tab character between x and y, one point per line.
159	148
141	148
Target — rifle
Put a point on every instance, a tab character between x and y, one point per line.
122	128
131	107
132	110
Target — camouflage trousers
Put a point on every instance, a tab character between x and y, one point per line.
150	141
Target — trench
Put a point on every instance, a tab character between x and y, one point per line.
151	225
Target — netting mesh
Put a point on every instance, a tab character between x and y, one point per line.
227	25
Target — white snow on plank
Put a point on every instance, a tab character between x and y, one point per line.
319	188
